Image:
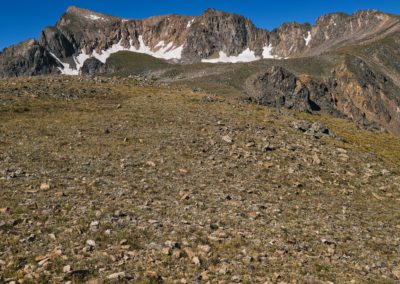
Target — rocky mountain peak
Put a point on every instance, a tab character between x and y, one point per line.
213	15
211	11
77	15
73	10
76	10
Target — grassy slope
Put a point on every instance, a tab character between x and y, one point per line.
222	79
266	216
130	63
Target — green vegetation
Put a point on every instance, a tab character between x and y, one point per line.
126	63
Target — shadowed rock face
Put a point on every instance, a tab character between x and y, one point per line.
278	87
26	59
92	66
57	42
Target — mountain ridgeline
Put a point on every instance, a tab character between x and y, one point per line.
343	65
214	36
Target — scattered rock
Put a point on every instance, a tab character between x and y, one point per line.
316	129
31	238
94	225
166	251
301	125
67	268
4	210
151	164
204	276
91	243
196	260
118	275
227	139
44	186
316	159
14	173
204	248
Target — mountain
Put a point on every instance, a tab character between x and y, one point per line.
343	65
214	36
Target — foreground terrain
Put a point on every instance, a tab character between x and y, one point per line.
121	180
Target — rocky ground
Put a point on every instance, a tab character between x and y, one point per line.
114	180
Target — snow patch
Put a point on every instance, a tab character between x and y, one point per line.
246	56
308	38
267	52
160	44
79	61
189	24
94	17
164	51
66	69
105	54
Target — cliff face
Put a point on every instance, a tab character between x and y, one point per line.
214	32
365	95
25	59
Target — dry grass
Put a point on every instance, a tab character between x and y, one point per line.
150	164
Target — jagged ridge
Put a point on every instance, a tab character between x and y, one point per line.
214	36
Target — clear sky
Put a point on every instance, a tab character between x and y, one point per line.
22	19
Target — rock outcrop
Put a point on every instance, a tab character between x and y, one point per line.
279	87
92	66
354	91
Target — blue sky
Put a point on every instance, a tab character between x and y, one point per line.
22	19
